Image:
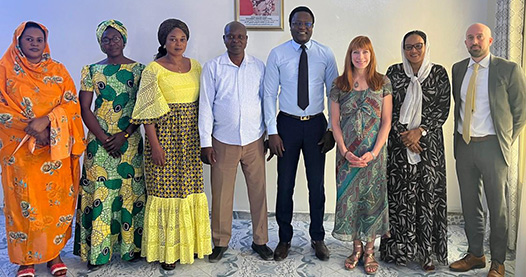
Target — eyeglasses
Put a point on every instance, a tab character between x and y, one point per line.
417	46
106	41
238	37
300	24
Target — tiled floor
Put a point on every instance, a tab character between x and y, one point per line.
240	260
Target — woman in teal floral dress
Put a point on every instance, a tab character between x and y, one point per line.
361	105
110	209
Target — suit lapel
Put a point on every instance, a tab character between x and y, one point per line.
492	79
462	68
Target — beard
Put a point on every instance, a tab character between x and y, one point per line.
477	51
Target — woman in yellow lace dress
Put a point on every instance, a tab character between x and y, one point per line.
176	223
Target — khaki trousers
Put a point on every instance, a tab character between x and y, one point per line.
252	159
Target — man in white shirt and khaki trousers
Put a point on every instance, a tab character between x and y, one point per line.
232	130
490	112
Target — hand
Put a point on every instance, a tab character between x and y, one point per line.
415	148
115	154
265	147
36	125
208	155
411	137
43	138
276	146
353	160
114	142
367	157
158	156
326	142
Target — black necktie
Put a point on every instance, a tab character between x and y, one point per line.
303	79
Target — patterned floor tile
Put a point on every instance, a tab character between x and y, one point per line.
240	260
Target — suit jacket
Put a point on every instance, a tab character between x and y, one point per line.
507	99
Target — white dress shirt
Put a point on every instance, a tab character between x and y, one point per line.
481	122
230	101
282	70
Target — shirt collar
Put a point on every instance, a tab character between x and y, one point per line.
225	60
484	63
297	45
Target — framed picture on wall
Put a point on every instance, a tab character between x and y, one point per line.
260	14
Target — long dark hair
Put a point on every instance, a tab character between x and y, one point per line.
164	29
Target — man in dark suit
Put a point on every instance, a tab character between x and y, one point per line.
490	111
300	73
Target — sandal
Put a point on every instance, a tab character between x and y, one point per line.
58	268
26	272
371	267
354	258
428	267
166	266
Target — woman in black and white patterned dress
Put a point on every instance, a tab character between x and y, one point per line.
416	167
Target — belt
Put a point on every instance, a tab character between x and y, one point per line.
302	118
484	138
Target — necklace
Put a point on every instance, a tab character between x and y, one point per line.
356	84
178	67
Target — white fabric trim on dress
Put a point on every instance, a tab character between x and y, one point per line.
411	110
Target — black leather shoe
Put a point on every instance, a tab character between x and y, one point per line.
282	251
93	267
136	257
264	251
217	254
322	252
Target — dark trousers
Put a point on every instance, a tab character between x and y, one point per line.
301	136
484	160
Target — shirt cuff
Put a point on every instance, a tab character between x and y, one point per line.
206	142
272	130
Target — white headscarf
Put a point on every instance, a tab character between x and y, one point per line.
411	111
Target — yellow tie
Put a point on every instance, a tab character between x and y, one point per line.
469	106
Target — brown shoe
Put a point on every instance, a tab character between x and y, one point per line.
321	250
496	270
282	251
468	262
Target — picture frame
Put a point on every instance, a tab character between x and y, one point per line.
260	14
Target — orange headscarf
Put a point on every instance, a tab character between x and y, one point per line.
40	185
23	85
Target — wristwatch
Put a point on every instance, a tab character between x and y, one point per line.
423	131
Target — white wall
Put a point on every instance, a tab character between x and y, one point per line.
72	39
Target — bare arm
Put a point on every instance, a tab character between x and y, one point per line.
338	137
385	124
88	117
158	155
336	130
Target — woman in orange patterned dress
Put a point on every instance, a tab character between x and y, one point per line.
41	140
